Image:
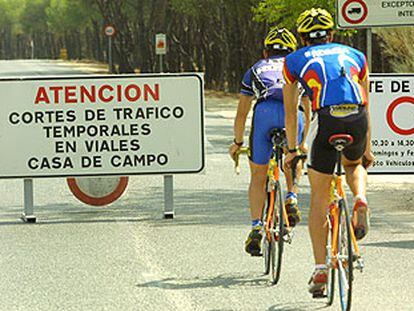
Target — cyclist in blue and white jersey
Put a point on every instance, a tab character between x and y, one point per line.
335	77
264	82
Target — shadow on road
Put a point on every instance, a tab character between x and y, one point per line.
220	281
299	306
408	244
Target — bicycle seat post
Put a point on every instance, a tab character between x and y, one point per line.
340	142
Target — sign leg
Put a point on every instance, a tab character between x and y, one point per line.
168	197
28	215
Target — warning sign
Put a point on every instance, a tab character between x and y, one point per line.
91	126
392	117
374	13
160	44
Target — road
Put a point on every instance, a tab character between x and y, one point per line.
126	257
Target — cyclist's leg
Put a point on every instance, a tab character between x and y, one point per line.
257	194
320	185
291	201
260	150
291	188
322	159
356	175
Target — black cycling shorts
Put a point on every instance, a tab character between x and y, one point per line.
342	119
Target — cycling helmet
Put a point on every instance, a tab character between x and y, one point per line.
280	39
315	22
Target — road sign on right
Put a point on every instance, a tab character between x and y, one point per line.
374	13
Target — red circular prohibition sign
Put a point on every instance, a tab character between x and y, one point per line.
104	200
390	119
356	21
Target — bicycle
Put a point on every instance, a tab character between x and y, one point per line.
342	247
277	230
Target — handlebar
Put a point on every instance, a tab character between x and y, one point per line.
242	150
295	162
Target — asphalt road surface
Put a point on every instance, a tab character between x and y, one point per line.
125	256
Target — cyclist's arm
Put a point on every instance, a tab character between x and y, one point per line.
290	100
243	108
307	110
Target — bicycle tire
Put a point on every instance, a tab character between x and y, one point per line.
279	226
330	285
345	262
266	245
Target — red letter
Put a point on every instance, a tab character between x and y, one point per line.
42	96
155	94
90	95
119	92
128	92
70	95
56	90
101	93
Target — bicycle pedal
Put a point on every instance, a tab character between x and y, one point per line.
256	254
318	294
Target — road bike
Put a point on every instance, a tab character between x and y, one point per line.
343	255
276	230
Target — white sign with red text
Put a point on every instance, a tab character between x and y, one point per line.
392	117
160	44
91	126
374	13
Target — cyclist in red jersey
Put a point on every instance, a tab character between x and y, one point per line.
335	77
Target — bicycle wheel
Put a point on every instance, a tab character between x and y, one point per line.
266	244
345	256
330	285
277	237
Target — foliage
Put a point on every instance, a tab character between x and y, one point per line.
68	15
397	45
285	12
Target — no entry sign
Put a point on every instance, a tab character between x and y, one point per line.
94	126
392	116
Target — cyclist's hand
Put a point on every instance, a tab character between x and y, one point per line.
368	159
289	158
232	151
303	147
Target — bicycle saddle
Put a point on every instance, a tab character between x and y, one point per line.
340	141
277	136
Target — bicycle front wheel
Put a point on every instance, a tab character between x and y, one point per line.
278	235
330	285
266	242
345	257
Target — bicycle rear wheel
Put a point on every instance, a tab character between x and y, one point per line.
345	257
277	236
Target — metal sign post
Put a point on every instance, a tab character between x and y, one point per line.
28	215
110	32
161	49
369	48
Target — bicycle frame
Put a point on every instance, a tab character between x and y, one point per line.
273	175
337	194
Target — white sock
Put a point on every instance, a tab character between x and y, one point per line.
320	267
360	197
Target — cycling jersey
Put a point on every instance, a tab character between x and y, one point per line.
330	74
264	80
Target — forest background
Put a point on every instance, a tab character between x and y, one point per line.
221	38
